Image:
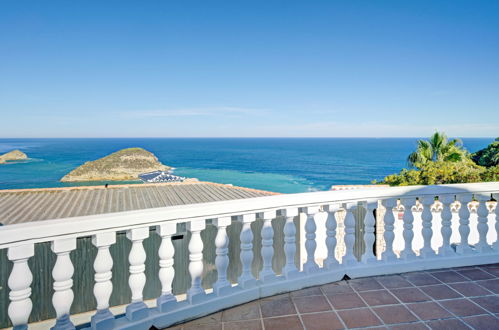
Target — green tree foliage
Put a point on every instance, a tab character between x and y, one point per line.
488	156
437	148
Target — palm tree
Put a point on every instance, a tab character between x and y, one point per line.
436	148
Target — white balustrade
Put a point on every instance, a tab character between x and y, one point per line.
166	251
427	251
246	280
63	282
310	265
103	287
483	227
369	235
349	257
137	279
290	270
267	273
222	285
389	235
196	293
408	232
496	243
19	283
464	222
446	215
331	225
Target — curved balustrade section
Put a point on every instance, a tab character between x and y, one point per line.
443	238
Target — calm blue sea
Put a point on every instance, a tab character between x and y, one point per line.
284	165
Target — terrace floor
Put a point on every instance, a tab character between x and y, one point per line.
457	298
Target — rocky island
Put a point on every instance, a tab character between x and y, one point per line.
12	155
123	165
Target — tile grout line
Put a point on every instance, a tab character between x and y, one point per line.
332	307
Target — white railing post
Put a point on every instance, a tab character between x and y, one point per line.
290	269
62	274
349	257
196	292
103	287
427	251
446	249
137	309
331	224
246	280
19	283
267	273
389	235
464	224
310	265
495	246
408	232
483	227
166	251
369	235
222	285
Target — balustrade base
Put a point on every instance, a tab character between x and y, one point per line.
166	302
223	290
63	323
102	320
137	311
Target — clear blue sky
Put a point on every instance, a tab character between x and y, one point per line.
248	68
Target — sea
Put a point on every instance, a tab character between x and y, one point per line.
285	165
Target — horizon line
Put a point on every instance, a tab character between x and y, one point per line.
242	137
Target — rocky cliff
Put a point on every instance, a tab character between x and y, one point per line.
122	165
12	155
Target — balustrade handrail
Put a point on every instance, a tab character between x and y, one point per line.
47	230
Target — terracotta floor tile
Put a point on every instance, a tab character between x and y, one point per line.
248	311
408	295
243	325
410	326
334	288
394	314
490	303
378	297
364	284
462	307
491	285
482	322
440	292
449	276
475	274
285	322
212	318
393	281
204	326
313	291
469	289
277	307
357	318
450	324
346	300
428	310
421	279
321	321
311	304
493	271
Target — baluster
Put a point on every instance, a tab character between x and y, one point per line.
427	231
331	225
222	285
137	279
246	280
103	287
349	258
310	265
196	293
167	300
369	236
483	226
464	224
267	273
408	232
19	283
446	249
389	235
63	282
496	243
290	269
